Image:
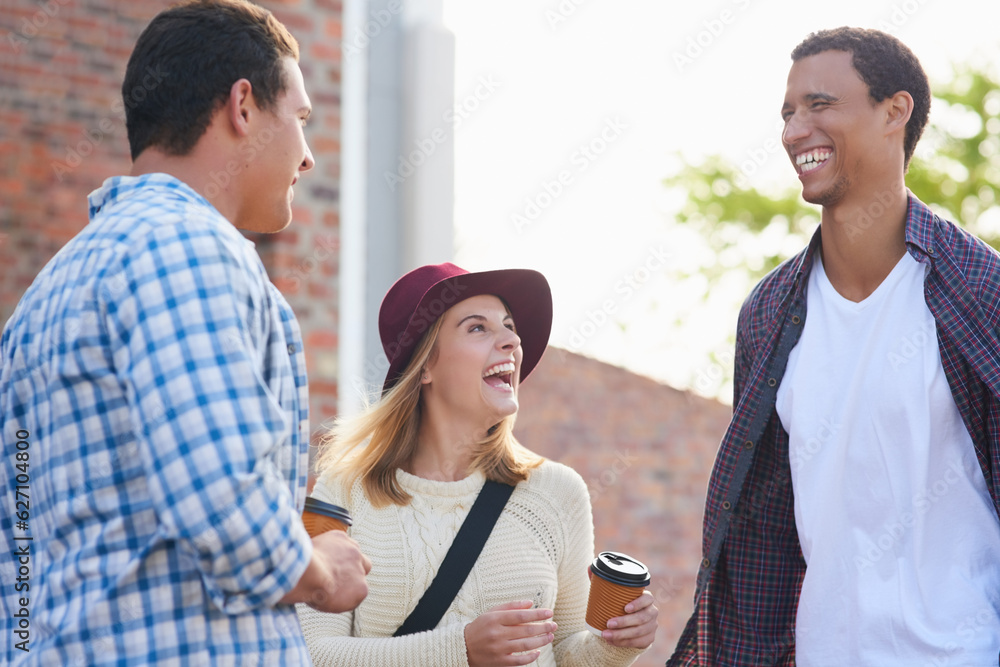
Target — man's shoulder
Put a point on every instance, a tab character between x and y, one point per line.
969	250
142	232
160	225
976	261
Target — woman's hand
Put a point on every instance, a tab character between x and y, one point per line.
509	628
637	628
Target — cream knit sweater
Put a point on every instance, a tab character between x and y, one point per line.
539	550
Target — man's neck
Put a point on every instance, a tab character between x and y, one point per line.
202	170
864	237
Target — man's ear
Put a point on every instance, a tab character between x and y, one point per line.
240	106
899	108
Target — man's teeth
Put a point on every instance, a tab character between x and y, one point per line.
500	368
812	159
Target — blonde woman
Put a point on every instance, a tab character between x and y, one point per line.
409	469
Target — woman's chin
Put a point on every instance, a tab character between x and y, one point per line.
502	406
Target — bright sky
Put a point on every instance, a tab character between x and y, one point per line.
560	159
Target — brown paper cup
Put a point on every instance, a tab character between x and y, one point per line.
319	517
617	580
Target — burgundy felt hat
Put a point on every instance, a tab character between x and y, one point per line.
417	299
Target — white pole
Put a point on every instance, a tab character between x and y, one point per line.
353	223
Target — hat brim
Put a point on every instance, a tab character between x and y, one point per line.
526	293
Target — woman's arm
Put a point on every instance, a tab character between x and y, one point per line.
575	645
330	644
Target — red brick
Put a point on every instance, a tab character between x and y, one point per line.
287	285
322	339
325	145
301	216
285	238
322	388
334	28
321	291
11	187
299	24
325	50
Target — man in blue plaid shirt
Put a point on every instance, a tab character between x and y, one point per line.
852	514
153	392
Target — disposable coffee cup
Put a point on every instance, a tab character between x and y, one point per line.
618	579
319	517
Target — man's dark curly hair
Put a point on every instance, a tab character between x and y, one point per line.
885	64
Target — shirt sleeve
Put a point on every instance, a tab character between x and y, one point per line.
574	644
189	319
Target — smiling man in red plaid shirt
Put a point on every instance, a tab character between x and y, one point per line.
851	516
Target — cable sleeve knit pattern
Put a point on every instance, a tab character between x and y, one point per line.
539	550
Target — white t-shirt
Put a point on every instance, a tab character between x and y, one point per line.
898	531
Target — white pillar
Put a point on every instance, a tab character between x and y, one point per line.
428	135
396	97
353	320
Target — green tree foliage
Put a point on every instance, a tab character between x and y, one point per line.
956	171
960	174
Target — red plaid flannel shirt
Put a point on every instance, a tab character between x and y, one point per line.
752	566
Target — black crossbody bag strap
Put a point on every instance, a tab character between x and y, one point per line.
459	560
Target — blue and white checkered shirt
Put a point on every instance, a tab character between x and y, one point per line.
154	416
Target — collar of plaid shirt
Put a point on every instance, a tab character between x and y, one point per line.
752	568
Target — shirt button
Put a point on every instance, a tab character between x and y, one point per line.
291	348
930	250
771	382
726	505
705	562
796	319
748	444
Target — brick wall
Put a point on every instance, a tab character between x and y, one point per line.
646	451
62	132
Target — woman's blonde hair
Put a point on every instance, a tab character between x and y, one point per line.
372	445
